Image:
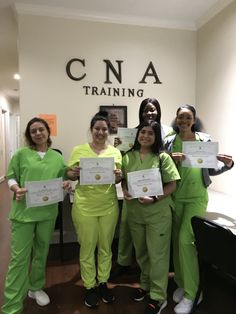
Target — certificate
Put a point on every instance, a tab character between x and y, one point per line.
41	193
145	183
127	137
97	171
200	154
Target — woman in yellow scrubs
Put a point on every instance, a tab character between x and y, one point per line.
95	213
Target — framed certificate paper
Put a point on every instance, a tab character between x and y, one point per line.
145	183
97	171
127	137
41	193
200	154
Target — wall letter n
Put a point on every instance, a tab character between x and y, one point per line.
109	66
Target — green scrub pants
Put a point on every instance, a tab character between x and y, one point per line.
26	239
92	232
184	251
151	239
125	244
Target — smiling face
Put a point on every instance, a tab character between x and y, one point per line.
100	132
146	137
185	120
150	112
39	135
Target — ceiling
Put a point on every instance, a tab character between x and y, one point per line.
180	14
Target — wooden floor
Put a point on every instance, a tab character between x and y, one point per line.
66	291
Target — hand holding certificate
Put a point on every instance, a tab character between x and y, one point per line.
200	154
41	193
97	171
145	183
127	137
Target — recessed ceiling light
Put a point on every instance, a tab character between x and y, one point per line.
16	76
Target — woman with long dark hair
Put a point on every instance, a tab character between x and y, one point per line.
149	109
150	217
190	199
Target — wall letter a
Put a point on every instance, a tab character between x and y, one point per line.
150	72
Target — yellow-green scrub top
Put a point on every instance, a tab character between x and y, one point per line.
95	200
191	184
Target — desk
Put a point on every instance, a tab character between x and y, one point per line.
221	209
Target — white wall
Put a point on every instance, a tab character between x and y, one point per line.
46	44
216	86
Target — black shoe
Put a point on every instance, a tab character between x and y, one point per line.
139	294
118	271
105	293
91	298
155	307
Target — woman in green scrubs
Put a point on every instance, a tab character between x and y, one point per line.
149	109
150	217
190	199
31	228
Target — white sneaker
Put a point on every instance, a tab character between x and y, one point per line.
185	305
40	297
178	295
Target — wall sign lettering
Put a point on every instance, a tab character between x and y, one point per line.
75	70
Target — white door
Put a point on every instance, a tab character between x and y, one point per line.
2	146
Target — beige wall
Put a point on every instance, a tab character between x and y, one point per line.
187	62
216	86
46	44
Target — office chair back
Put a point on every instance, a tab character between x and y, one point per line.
216	245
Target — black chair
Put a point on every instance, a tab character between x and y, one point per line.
216	246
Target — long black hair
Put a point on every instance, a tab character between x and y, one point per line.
155	103
28	138
157	146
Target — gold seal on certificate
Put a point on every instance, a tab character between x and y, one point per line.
200	154
127	138
145	182
97	170
97	177
41	193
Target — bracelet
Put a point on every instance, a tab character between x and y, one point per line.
155	199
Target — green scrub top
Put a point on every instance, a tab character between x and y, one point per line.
191	185
95	200
27	165
132	162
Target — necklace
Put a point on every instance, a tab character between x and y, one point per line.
142	154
